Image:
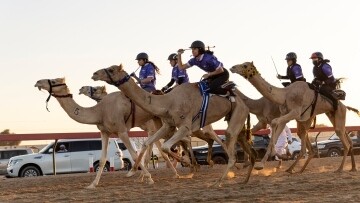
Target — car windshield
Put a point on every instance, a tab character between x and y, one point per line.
45	149
334	137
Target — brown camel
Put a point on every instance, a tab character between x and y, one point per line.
95	93
295	103
102	115
207	133
177	109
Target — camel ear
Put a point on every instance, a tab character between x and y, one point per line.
61	80
121	66
252	63
103	88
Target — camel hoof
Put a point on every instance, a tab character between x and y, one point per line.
259	166
246	164
176	176
90	187
150	181
338	171
353	170
291	171
130	173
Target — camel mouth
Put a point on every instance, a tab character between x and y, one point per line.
94	78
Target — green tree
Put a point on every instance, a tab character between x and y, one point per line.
8	143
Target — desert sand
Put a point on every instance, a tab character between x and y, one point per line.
318	183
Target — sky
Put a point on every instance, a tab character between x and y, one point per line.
49	39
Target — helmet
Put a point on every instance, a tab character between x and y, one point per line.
142	55
316	55
172	57
198	44
290	55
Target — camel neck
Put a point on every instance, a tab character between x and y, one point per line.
255	106
272	93
154	104
78	113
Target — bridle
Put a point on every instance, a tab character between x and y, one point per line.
54	95
92	91
119	82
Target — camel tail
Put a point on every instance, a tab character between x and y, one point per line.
353	109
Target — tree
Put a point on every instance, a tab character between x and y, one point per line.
8	143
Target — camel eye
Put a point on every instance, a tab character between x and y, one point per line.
111	70
245	66
53	82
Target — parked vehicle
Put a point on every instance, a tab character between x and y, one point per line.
128	161
6	154
333	147
71	156
219	156
294	148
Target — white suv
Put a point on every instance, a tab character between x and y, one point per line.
6	154
71	156
128	161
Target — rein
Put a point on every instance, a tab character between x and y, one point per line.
92	91
54	95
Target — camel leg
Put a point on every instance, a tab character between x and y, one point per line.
104	149
163	131
257	127
147	156
166	157
305	144
194	165
278	125
236	123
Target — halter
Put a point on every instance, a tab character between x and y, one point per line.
119	82
54	95
91	92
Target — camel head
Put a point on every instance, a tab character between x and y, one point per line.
114	75
93	91
52	85
247	70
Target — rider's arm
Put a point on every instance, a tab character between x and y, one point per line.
179	62
327	70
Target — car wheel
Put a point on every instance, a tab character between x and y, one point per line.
127	164
30	171
334	153
219	160
106	168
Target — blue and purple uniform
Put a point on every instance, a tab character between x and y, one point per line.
148	71
179	75
324	73
294	73
207	62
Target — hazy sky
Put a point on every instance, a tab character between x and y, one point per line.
72	39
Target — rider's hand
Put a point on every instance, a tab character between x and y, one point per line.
278	76
206	76
180	51
132	74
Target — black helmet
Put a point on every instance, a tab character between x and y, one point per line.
172	56
316	55
290	56
142	55
198	44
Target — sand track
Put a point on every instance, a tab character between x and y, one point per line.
318	183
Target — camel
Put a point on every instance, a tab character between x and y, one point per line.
102	115
177	109
295	102
207	133
95	93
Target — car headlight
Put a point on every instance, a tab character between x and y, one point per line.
14	162
321	146
203	152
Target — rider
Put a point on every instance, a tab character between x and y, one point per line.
216	74
147	78
293	72
178	76
324	79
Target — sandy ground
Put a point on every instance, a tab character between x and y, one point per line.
318	183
